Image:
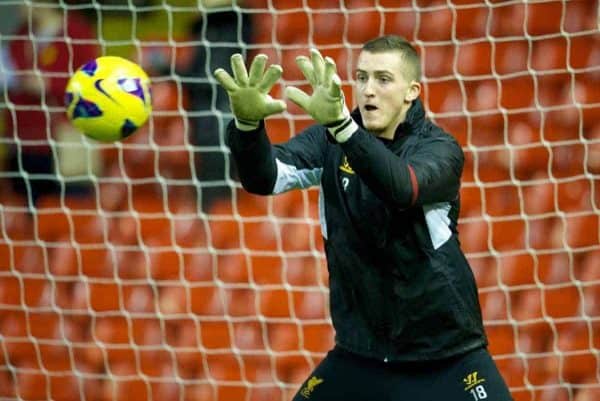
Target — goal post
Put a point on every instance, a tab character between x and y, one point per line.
148	273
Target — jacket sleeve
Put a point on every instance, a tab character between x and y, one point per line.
429	174
266	169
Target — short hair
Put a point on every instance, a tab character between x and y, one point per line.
388	43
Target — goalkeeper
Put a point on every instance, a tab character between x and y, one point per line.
403	298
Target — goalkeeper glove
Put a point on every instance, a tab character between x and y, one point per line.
248	93
326	105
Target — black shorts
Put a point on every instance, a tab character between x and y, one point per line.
343	376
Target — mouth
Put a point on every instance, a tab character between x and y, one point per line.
370	107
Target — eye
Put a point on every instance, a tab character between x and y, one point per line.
361	78
385	80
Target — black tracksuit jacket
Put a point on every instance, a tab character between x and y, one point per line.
401	289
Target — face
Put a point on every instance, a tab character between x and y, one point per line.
384	94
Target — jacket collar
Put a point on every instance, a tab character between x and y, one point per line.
415	117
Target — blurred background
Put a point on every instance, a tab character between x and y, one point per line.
139	270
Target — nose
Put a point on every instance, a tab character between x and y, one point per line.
367	88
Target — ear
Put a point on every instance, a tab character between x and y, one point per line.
414	90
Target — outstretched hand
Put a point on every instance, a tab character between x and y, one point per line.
249	92
326	104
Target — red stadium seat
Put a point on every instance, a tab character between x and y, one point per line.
283	337
7	385
474	234
166	386
581	50
579	16
470	22
310	305
328	27
186	342
474	59
578	359
530	156
293	369
401	22
31	383
508	234
543	18
112	335
125	384
317	337
574	196
260	234
510	57
517	269
538	198
215	334
248	335
548	55
443	96
589	392
508	20
15	221
206	300
527	304
562	302
568	160
501	338
502	200
582	231
470	200
517	92
224	227
436	25
278	129
13	328
262	392
535	338
264	27
590	276
364	21
485	271
223	366
435	59
266	270
199	265
291	27
553	391
241	302
274	303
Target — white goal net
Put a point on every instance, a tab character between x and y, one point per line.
140	270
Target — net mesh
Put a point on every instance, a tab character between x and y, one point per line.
145	272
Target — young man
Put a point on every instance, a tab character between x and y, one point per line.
403	299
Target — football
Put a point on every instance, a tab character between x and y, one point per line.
108	98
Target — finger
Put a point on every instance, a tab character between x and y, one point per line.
298	96
270	78
239	70
257	69
306	67
330	71
225	80
318	65
335	89
275	107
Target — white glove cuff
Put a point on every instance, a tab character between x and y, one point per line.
343	131
246	125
